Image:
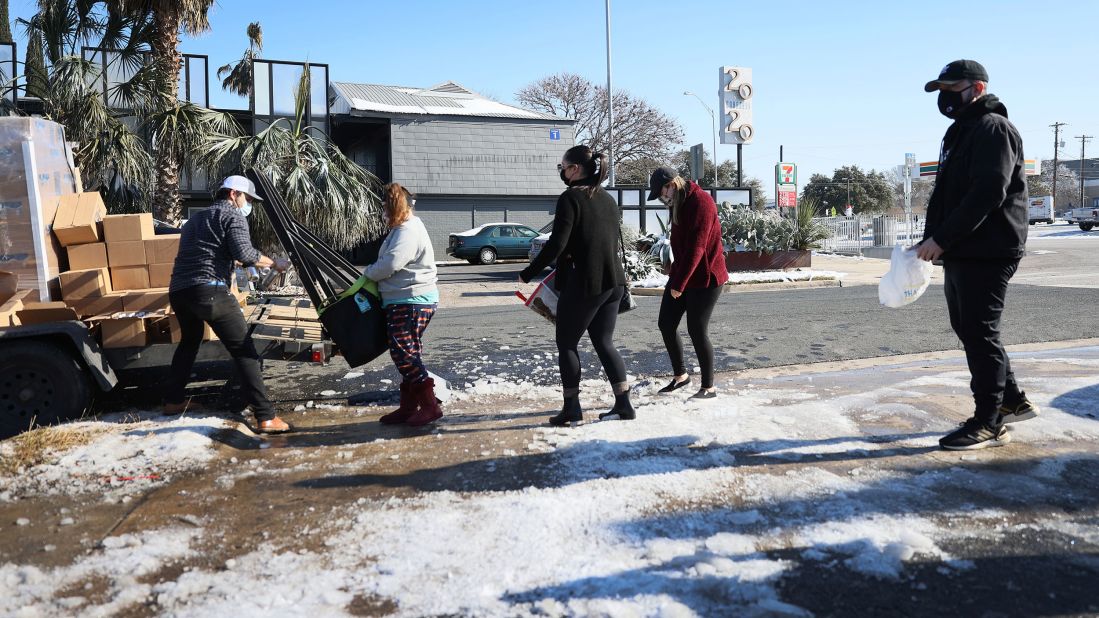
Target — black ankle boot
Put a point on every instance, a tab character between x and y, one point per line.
570	413
622	410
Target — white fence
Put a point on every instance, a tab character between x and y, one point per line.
855	233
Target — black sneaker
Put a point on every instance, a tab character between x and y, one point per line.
973	435
674	386
704	394
1021	411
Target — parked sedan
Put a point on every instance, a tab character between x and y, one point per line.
490	242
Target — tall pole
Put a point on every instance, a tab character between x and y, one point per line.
610	99
713	129
739	165
1056	149
1083	141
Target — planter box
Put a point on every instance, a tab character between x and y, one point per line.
780	260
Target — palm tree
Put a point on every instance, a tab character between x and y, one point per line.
238	77
5	23
324	189
168	18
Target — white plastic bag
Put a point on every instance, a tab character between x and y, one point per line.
907	279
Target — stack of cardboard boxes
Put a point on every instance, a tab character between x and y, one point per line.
119	272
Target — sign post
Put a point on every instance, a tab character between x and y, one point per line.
735	93
697	163
786	185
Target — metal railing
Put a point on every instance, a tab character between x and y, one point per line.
858	232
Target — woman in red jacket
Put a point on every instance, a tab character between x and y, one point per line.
695	278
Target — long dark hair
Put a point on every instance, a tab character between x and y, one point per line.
593	163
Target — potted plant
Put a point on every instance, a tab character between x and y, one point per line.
756	240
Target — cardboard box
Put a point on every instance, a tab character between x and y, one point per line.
162	249
104	305
158	330
130	277
90	283
160	275
177	335
91	255
126	253
78	218
41	313
123	333
146	300
122	228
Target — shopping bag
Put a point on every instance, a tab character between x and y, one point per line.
543	300
907	279
355	321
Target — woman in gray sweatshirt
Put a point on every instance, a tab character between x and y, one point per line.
406	276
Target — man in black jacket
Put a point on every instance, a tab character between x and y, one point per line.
977	224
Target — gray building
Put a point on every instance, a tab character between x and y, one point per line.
469	159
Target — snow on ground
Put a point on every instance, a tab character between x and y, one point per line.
696	509
124	459
761	276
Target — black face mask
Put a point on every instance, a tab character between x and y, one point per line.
951	103
563	179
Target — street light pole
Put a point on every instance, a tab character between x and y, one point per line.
713	129
610	100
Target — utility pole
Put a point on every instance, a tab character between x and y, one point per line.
1056	149
610	100
1083	141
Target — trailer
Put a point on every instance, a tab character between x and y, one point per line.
52	371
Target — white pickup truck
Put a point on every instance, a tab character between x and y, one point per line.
1086	218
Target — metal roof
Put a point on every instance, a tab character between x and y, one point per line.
446	99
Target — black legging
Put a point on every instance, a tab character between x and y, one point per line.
597	315
698	304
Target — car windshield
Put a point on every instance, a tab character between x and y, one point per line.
546	229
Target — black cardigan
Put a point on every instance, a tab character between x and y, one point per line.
584	241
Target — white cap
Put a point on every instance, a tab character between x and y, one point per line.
242	184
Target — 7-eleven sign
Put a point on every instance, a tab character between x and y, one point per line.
786	174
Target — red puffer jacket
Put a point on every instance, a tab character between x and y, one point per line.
697	250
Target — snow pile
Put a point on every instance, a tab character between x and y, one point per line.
122	460
119	563
763	276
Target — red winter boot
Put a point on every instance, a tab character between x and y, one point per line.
407	408
423	393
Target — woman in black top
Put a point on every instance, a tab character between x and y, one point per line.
590	280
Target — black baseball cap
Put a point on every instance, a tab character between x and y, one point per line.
660	177
957	71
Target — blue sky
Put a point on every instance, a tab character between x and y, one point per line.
835	82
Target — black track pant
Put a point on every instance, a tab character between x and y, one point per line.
698	304
598	315
215	306
975	294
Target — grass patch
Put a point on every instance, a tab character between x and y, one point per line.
39	445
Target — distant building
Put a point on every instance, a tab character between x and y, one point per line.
1090	173
469	159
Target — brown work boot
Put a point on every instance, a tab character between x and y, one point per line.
407	408
423	393
273	425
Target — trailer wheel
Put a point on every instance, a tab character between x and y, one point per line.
40	384
1086	226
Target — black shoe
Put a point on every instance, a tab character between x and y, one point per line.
973	435
1022	411
704	394
622	410
674	386
570	413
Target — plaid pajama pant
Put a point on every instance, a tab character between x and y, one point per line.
405	325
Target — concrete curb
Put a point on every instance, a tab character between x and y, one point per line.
754	287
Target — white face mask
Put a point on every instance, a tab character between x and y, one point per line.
246	209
